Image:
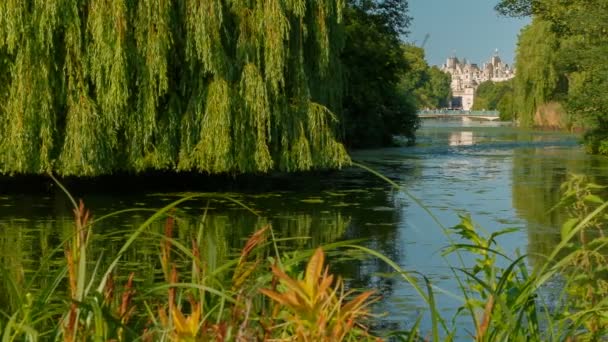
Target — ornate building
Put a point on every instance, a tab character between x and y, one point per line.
466	77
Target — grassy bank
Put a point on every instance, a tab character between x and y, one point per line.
266	291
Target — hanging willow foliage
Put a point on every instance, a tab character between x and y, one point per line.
537	78
90	87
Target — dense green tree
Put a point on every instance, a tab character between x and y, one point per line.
495	96
506	107
582	27
537	78
392	15
488	94
429	86
564	55
374	107
439	88
517	8
90	87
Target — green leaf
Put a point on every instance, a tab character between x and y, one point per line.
593	199
568	226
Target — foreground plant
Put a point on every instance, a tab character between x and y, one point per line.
585	265
261	295
196	300
497	298
504	299
316	308
511	298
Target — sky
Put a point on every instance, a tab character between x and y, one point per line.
469	29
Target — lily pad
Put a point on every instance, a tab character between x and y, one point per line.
313	200
335	194
343	204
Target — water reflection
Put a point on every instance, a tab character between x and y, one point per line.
354	206
502	176
463	138
538	174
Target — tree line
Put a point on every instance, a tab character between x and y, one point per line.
562	67
495	96
99	86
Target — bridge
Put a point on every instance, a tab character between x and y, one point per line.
465	115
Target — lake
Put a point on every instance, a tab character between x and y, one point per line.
502	176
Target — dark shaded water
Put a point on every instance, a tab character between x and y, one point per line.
502	176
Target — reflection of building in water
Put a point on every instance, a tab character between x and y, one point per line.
461	138
466	77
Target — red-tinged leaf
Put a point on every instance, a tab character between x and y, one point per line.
255	239
277	297
338	333
325	283
290	283
195	316
314	269
127	295
485	322
295	302
179	321
164	320
322	324
357	303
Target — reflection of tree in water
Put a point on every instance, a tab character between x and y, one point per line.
537	177
376	220
23	243
321	209
343	205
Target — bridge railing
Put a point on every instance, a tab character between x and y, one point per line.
459	112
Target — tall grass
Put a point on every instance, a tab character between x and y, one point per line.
265	293
507	303
255	295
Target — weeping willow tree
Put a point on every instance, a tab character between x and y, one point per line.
564	52
91	87
537	78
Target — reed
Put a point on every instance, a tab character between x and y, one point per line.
196	298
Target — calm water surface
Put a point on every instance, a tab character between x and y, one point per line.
502	176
